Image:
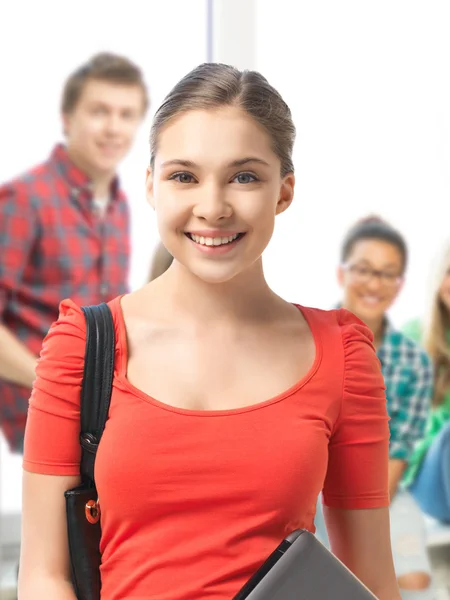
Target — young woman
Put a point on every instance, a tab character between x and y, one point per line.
373	263
429	468
231	408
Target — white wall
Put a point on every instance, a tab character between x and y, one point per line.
41	43
368	83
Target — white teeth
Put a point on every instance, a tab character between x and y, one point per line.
208	241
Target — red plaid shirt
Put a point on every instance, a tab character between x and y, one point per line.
52	246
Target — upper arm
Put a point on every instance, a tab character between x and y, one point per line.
52	450
356	492
17	233
357	474
361	539
44	546
51	445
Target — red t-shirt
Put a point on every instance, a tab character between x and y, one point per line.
194	501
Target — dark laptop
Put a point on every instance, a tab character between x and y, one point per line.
301	567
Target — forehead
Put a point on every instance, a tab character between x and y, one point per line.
111	94
376	252
213	137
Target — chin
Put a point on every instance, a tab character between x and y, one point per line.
369	313
108	166
214	273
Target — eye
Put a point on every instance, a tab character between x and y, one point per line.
128	115
99	111
182	177
244	178
361	270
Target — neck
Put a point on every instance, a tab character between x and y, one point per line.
246	296
100	180
377	328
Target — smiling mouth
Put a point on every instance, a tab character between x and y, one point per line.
214	241
371	300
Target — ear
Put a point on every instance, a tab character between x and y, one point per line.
149	187
286	193
340	275
65	119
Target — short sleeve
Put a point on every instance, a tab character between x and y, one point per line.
357	474
53	423
17	234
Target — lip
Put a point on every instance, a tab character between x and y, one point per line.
109	148
371	302
214	233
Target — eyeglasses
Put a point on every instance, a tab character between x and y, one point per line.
363	274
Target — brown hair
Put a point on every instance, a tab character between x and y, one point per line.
161	261
436	329
213	85
105	67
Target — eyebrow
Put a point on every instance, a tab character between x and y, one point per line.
236	163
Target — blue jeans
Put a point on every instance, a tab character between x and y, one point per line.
431	488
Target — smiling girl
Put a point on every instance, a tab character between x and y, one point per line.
231	408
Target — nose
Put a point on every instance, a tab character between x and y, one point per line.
374	282
211	203
113	124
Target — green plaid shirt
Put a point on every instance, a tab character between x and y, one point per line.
408	376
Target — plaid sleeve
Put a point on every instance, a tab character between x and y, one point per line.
17	233
412	415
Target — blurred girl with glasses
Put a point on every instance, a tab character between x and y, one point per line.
371	273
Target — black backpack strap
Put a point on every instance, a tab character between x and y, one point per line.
97	384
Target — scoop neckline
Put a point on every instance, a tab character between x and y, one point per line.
123	364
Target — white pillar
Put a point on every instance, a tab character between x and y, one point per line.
233	32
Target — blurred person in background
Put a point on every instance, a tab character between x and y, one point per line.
428	474
64	225
371	274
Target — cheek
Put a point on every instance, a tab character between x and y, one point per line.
390	296
171	213
86	131
259	209
349	287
